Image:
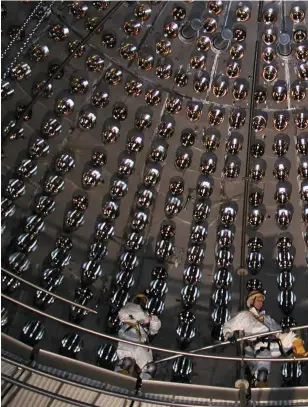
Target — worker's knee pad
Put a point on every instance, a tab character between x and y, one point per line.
148	371
262	375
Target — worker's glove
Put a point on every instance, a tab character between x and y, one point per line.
232	339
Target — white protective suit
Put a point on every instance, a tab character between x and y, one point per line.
134	331
247	321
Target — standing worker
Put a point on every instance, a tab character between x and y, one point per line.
137	326
255	321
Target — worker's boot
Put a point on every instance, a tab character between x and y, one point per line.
299	350
261	381
125	366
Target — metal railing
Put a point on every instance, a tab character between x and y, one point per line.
164	350
52	294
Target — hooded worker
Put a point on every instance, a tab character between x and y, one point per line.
255	321
137	326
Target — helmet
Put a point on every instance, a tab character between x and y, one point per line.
252	296
141	299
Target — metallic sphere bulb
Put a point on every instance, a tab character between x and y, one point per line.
220	86
201	212
153	97
110	210
192	275
305	214
171	30
113	76
118	300
58	32
220	315
256	218
203	43
224	258
73	220
209	25
26	169
32	332
139	221
215	7
242	13
12	132
45	205
54	184
39	87
301	53
189	295
188	138
119	112
211	141
284	260
7	90
195	254
98	158
135	143
143	121
239	34
158	288
256	173
80	202
298	92
86	120
38	52
100	99
280	121
64	163
20	71
237	52
51	128
133	87
286	301
163	47
104	231
301	120
101	5
173	206
284	243
283	217
178	13
78	9
95	63
222	278
198	234
302	71
254	284
73	48
18	263
237	119
144	198
269	16
71	345
233	70
26	243
280	147
176	187
268	54
7	208
159	273
233	145
282	195
145	61
279	93
240	90
297	14
204	188
227	216
269	73
256	198
79	85
221	297
260	96
142	12
109	40
302	170
124	280
201	82
299	35
231	168
216	116
254	262
118	189
208	163
92	23
15	189
194	111
285	280
225	238
134	241
165	129
167	231
255	244
303	192
110	133
64	106
91	178
257	150
186	316
163	250
181	79
158	152
132	28
281	172
128	50
164	69
182	161
174	104
182	368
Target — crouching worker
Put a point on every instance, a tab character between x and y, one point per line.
255	321
137	326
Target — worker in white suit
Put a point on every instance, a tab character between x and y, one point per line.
255	321
137	326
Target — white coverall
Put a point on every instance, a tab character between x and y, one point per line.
137	333
247	322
